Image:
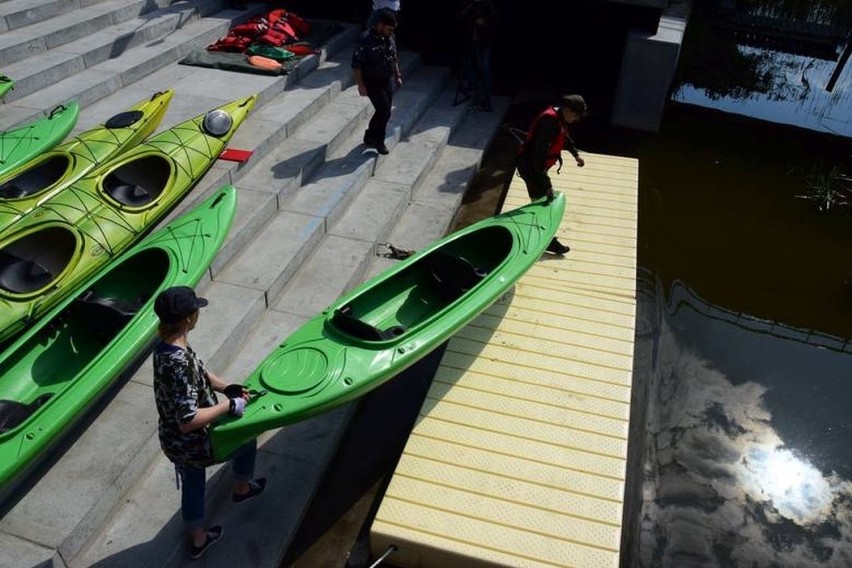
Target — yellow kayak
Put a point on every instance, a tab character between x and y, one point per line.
26	187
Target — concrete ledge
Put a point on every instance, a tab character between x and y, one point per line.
325	276
52	66
14	15
647	70
236	309
275	252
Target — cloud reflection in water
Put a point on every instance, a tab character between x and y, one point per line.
722	488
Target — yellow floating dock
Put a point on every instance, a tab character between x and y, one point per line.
518	456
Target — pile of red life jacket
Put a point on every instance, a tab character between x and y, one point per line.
277	28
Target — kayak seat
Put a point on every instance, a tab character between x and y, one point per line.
125	193
13	412
345	321
105	316
21	275
452	275
11	191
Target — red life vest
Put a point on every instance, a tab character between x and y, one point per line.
555	153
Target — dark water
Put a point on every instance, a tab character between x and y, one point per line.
745	312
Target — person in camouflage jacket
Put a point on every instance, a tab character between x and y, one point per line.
185	393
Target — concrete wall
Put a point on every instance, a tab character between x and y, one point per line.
647	71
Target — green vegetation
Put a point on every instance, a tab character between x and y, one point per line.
828	187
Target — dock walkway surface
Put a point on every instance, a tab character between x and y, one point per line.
518	456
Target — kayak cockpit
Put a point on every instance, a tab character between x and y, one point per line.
453	275
35	260
36	178
13	412
71	340
396	306
138	182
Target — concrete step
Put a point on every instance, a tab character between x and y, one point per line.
307	210
40	36
71	59
341	258
16	14
435	201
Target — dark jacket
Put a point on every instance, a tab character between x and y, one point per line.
478	19
375	55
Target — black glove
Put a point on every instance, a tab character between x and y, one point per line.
238	406
234	390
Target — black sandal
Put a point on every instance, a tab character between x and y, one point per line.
212	537
256	487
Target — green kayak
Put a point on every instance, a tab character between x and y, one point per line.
6	84
25	187
46	254
391	321
20	145
55	371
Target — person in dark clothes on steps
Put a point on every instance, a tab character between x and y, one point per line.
375	64
185	393
545	141
478	20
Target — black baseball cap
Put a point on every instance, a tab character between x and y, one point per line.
386	17
178	302
575	103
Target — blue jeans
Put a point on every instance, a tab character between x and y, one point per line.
194	483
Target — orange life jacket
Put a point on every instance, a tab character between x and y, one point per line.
555	153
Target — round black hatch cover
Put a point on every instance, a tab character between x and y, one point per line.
124	119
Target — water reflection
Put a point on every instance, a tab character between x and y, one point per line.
776	60
740	467
794	487
794	93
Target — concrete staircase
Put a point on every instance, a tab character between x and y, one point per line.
313	207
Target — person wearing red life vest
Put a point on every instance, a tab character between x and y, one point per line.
547	138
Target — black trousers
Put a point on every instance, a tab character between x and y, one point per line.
380	92
538	183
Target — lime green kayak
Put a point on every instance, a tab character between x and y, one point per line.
25	187
6	84
56	370
20	145
46	254
391	321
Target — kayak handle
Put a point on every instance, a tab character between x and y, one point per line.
257	393
58	108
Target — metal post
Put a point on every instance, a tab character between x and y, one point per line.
841	63
391	549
